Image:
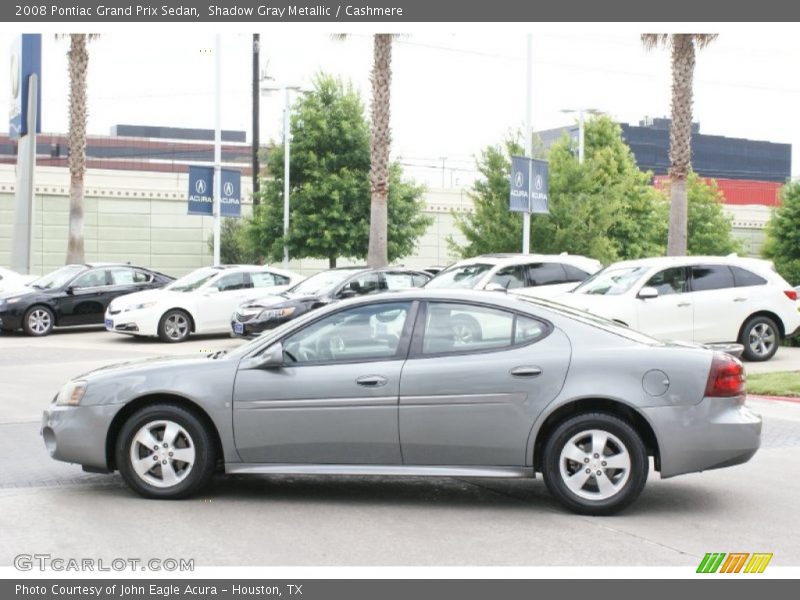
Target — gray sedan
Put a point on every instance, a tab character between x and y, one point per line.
424	382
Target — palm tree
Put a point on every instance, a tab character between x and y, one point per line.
78	66
683	47
380	144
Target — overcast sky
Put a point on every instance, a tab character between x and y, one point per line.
452	93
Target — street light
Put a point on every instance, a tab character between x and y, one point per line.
287	134
581	112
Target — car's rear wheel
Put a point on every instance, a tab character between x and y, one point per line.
760	338
38	321
175	326
595	464
165	451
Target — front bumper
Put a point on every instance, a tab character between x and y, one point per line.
716	433
10	319
132	323
251	329
77	434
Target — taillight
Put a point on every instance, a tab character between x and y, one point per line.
791	294
726	377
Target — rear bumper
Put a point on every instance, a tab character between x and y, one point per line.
716	433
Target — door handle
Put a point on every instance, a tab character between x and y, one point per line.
372	380
526	371
684	304
739	299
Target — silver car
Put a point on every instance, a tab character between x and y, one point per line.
424	382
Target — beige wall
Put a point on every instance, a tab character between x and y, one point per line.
141	217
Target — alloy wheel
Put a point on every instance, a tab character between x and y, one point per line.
595	464
761	339
176	326
162	453
39	321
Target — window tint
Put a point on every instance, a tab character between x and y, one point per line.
233	281
528	329
574	273
459	328
711	277
360	333
546	273
466	276
262	279
397	280
669	281
743	277
367	283
510	277
128	277
95	278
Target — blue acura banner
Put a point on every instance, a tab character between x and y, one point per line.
201	190
26	60
231	193
528	191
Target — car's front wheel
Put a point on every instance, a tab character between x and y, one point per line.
175	326
760	338
165	451
38	321
595	464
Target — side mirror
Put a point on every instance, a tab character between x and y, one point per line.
647	293
495	287
271	358
70	290
347	293
211	291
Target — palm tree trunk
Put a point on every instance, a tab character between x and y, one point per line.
680	147
78	63
380	142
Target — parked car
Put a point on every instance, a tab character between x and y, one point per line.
200	302
701	299
11	281
73	295
381	385
252	318
540	275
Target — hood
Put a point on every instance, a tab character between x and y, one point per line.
132	366
18	290
593	303
277	300
146	296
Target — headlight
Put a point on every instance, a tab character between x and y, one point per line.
141	306
12	300
71	394
277	313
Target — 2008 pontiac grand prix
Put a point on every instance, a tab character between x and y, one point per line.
424	382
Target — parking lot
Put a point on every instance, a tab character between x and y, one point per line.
52	507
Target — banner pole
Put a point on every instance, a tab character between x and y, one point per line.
526	216
217	181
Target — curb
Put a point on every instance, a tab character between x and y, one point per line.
791	399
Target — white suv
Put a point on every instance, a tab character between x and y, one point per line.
701	299
541	275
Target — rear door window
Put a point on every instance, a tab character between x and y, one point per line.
574	274
743	277
546	274
711	277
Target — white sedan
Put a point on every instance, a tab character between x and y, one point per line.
200	302
11	280
700	299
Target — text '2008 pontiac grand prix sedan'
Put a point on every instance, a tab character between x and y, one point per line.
396	385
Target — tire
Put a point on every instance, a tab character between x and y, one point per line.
168	478
466	329
760	338
175	326
565	456
38	321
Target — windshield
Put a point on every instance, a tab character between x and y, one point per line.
322	282
611	281
57	278
465	277
192	281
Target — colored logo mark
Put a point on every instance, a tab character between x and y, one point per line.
734	562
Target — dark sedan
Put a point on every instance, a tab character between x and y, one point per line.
73	295
252	318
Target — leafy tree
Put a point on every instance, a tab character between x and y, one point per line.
709	228
330	185
603	208
683	47
783	234
233	246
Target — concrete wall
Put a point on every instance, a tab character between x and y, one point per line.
141	217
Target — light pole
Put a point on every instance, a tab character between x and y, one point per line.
581	126
287	135
526	216
217	144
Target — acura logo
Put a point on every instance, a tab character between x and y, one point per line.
538	182
200	186
518	179
15	75
228	189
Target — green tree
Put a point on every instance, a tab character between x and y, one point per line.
233	246
709	228
603	208
783	234
330	185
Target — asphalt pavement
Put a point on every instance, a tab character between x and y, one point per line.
52	507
